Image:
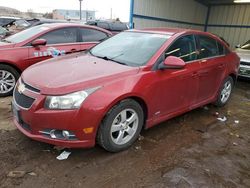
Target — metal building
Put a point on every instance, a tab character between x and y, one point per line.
65	14
225	18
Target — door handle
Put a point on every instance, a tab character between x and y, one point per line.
73	50
194	74
204	60
204	73
221	65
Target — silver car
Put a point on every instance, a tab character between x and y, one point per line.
243	52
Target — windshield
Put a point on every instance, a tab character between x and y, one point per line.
130	48
246	46
26	34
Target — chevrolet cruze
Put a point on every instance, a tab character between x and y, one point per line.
130	82
23	49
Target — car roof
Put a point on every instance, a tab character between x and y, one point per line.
165	30
61	25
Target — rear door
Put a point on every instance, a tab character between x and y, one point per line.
212	67
59	42
90	37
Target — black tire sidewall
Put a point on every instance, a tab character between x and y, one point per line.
14	72
108	144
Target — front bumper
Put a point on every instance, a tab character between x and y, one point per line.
244	71
34	120
63	143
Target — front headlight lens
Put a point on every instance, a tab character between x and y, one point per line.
69	101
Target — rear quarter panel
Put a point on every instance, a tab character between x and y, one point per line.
233	63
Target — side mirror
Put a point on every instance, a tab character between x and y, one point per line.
172	62
39	42
237	46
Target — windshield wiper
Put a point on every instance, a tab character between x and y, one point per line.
112	58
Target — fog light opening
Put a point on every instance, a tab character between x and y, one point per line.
66	134
52	133
59	134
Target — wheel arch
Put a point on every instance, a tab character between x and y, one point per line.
234	77
11	65
142	102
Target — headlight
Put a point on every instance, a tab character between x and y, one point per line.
69	101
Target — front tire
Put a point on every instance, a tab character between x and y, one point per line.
121	126
225	92
8	79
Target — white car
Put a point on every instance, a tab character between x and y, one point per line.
243	52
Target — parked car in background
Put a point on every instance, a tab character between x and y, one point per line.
39	21
244	52
4	20
13	24
133	80
18	26
113	26
42	42
4	32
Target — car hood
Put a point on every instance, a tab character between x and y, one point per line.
244	55
74	73
4	45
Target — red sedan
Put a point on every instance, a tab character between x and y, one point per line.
39	43
131	81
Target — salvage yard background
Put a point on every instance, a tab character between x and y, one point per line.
222	17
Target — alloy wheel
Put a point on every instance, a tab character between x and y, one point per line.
226	91
7	81
124	126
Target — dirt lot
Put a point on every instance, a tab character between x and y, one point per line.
193	150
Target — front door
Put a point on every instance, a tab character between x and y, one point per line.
59	42
176	90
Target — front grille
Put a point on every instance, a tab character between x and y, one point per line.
31	88
245	63
23	100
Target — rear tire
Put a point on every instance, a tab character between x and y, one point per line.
8	79
225	92
121	126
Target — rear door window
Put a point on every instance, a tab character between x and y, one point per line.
208	47
65	35
92	35
183	48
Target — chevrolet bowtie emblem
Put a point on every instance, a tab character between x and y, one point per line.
21	88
